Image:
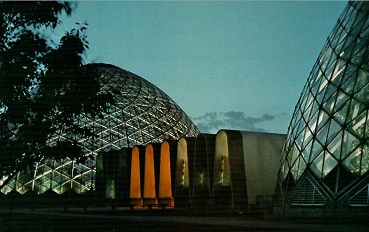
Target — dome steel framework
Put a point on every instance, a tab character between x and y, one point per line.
142	114
325	160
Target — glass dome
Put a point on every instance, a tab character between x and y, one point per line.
142	114
325	160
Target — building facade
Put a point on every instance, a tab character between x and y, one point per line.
230	169
325	160
142	114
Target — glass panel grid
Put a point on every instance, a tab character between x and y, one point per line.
334	106
142	114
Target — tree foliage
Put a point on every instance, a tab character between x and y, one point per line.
43	85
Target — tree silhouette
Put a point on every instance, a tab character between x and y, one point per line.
43	85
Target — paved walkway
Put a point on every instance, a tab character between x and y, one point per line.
256	223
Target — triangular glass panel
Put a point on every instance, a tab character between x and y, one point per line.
298	168
295	117
330	180
359	51
302	102
329	103
313	122
320	95
358	23
315	85
331	64
322	134
348	18
363	94
348	48
364	160
306	152
55	186
341	113
24	177
345	178
301	125
364	33
337	74
348	85
316	150
339	43
317	165
361	80
327	61
349	143
334	129
329	164
335	35
322	120
292	155
357	126
307	111
334	146
41	189
331	89
353	161
304	138
314	111
65	186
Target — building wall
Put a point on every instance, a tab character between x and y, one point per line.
229	169
203	169
226	170
262	153
113	171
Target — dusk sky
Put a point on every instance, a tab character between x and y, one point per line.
229	65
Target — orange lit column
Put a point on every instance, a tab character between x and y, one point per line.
165	182
135	185
149	181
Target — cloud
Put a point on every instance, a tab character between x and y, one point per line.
233	120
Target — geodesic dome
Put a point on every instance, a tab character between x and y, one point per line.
142	114
325	160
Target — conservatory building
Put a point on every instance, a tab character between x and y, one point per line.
142	114
325	160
